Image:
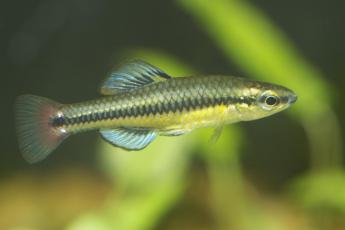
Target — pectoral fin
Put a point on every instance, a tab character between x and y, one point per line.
216	134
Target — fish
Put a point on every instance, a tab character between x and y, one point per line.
141	102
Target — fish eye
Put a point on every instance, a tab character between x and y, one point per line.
271	100
268	100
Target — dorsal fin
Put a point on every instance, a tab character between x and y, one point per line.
132	75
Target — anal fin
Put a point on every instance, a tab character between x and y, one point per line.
129	138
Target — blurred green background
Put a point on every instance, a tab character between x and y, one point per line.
282	172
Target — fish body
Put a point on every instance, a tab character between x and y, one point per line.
141	102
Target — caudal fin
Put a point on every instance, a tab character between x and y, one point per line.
36	136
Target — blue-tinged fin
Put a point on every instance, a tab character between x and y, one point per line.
129	138
132	75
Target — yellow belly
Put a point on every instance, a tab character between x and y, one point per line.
185	120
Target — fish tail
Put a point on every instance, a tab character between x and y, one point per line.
37	136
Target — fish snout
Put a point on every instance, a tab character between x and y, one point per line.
292	98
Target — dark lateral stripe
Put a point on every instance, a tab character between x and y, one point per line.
58	121
183	104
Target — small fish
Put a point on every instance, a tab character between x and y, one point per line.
141	102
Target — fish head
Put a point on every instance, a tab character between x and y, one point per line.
265	99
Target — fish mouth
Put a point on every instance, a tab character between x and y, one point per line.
293	98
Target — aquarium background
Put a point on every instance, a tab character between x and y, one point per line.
281	172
